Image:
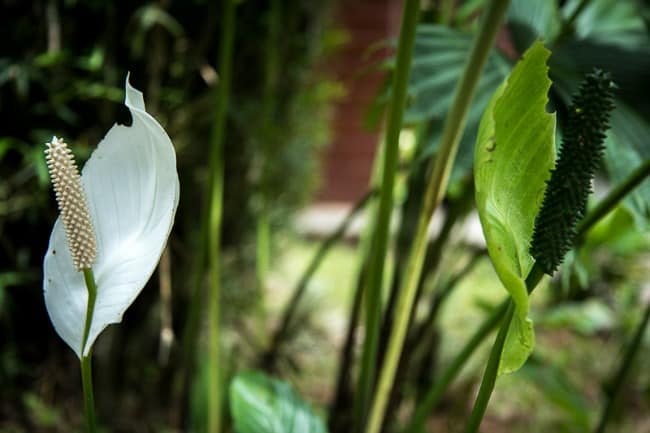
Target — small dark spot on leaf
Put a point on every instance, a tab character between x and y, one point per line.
53	252
492	144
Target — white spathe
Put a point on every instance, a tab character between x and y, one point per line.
132	188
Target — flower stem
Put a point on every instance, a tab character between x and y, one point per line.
86	368
436	186
492	367
89	278
372	294
89	398
605	206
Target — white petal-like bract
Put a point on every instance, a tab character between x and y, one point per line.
132	188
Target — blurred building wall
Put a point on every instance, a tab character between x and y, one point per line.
348	160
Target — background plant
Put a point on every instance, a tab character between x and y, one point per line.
61	69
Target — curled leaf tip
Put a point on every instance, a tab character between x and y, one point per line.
72	203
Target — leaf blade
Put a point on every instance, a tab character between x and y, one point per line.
513	157
260	404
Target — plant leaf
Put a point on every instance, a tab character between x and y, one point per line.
553	382
132	190
607	21
529	20
627	148
514	155
586	318
260	404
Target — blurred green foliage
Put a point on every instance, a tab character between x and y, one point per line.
62	69
260	404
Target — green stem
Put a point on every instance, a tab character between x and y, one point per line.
375	274
86	370
492	367
89	279
437	185
422	341
567	26
446	9
605	206
341	413
215	216
490	374
263	245
624	369
89	398
614	197
271	74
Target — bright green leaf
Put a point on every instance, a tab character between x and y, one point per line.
260	404
514	155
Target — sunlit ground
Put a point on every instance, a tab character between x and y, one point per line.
559	388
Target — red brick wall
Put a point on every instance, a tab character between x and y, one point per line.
348	160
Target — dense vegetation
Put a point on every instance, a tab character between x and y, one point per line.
487	89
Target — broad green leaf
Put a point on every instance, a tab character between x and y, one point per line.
627	148
260	404
438	61
617	22
514	155
529	20
611	36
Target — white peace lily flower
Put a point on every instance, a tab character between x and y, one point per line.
132	189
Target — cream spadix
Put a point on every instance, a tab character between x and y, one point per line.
131	188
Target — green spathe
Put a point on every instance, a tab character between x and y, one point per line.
514	155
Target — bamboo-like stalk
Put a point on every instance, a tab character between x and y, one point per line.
341	412
215	216
372	294
271	75
436	186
